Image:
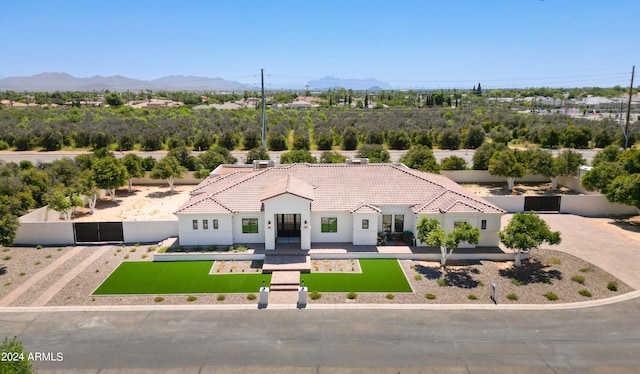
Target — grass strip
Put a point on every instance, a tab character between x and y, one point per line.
378	275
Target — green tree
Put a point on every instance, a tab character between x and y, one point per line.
349	139
505	164
474	137
63	204
630	160
420	157
450	140
600	177
21	366
543	163
527	231
430	233
168	168
301	142
453	163
332	157
625	189
8	225
297	156
609	154
276	142
257	153
133	164
324	140
86	185
113	99
109	174
483	154
569	162
374	152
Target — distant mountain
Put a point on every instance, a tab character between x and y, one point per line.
354	84
66	82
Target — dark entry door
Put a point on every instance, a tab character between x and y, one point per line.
542	203
98	232
288	225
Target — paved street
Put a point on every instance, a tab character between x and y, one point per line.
597	339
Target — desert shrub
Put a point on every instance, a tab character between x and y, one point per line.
612	286
191	298
315	295
430	296
516	282
220	297
554	261
584	269
390	296
578	279
417	277
251	296
472	297
241	248
585	293
442	282
551	296
158	299
352	295
512	296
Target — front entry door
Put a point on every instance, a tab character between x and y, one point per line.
288	225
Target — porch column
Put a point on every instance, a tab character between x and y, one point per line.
269	232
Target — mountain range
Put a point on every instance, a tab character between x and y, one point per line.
65	82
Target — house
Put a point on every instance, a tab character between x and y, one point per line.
316	203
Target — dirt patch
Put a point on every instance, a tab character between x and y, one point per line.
527	189
628	227
145	203
335	266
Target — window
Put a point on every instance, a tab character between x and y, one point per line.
205	224
483	224
329	224
249	225
386	222
399	223
458	223
365	224
195	224
215	224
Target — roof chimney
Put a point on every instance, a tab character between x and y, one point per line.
263	164
357	161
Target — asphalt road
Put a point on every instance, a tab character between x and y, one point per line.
604	339
47	157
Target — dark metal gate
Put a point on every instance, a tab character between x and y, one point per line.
542	203
98	232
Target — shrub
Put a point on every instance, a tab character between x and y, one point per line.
612	286
430	296
158	299
144	255
352	295
472	297
417	277
390	296
132	250
315	295
516	282
59	249
151	248
554	261
578	279
442	282
512	296
241	248
551	296
547	280
585	293
37	262
39	246
47	256
191	298
584	269
220	297
480	283
22	274
251	296
7	283
7	258
162	249
213	248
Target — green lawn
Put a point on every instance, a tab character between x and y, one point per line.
377	276
177	278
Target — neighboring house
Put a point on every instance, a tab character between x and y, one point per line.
316	203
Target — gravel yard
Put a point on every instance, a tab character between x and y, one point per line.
528	189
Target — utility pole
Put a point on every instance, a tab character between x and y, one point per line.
264	118
626	125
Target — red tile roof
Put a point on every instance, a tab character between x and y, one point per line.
336	187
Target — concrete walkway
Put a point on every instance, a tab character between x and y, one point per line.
15	294
68	277
613	253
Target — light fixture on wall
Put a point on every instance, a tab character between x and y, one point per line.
306	225
268	224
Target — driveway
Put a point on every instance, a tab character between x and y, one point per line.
604	248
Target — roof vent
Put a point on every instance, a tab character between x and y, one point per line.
357	161
263	164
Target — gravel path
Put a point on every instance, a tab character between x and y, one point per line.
547	271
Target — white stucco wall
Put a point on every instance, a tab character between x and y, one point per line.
345	228
593	205
239	236
45	233
511	204
483	176
222	236
409	217
148	231
488	236
365	236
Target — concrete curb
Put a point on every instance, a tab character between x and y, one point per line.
354	306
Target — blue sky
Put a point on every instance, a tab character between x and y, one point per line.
408	44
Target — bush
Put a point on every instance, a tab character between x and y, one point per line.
551	296
453	163
417	277
430	296
516	282
390	296
585	293
241	248
554	261
578	279
158	299
442	282
17	350
191	298
352	295
220	297
251	296
315	295
612	286
512	296
584	269
472	297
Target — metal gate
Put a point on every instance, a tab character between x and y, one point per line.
542	203
98	232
